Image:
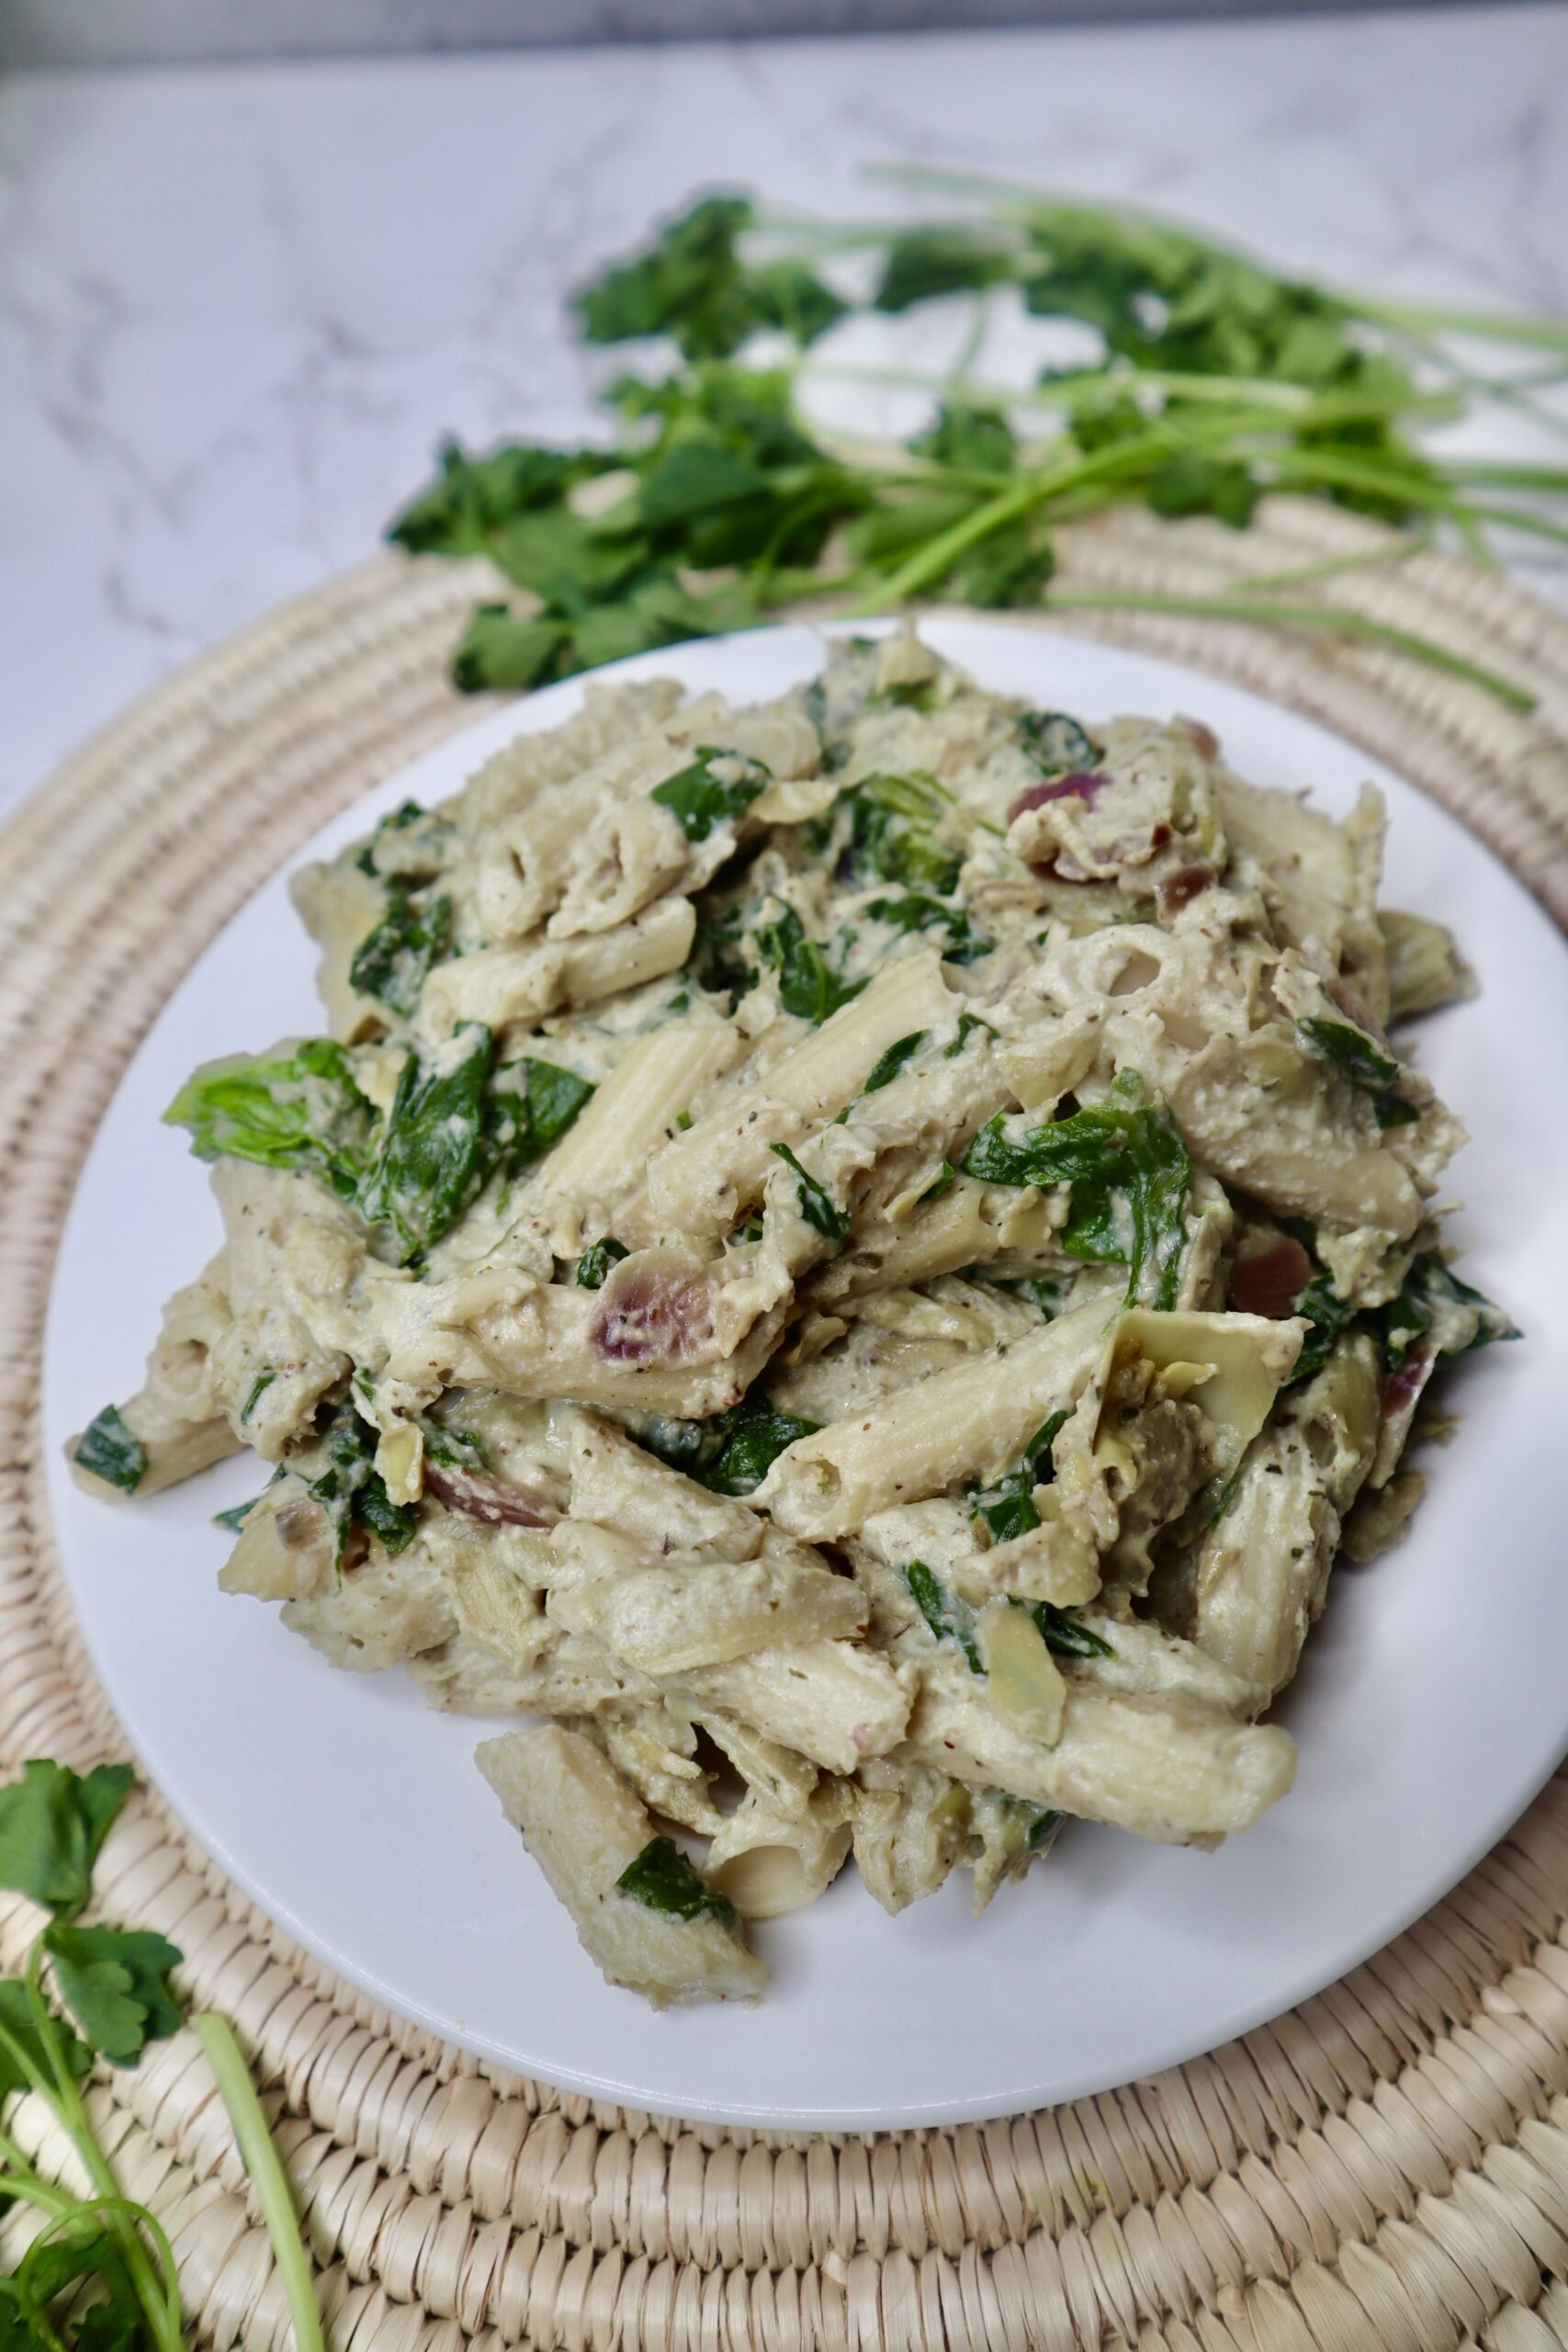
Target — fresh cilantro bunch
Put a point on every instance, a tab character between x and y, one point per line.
1219	380
99	2274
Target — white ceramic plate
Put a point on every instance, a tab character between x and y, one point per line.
1433	1703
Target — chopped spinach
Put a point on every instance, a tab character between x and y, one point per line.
352	1494
942	1181
1042	1829
523	1120
433	1159
1363	1062
296	1107
700	800
919	910
255	1391
234	1518
1054	743
596	1261
1432	1301
808	986
968	1022
393	962
886	1066
1060	1631
452	1449
661	1878
950	1618
891	819
1008	1505
730	1452
378	856
1049	1293
1327	1315
108	1450
817	1205
1128	1171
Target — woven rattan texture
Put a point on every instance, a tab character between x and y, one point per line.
1385	2168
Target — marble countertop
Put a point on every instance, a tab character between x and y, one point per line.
238	305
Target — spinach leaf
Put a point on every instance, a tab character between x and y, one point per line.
352	1494
661	1878
886	1066
701	799
817	1205
1327	1315
1432	1301
596	1261
950	1618
891	819
1008	1507
234	1518
255	1391
109	1451
1057	744
808	986
919	912
1042	1829
1060	1631
1363	1062
942	1181
1049	1293
392	962
753	1440
730	1452
452	1449
1128	1171
296	1107
968	1022
524	1121
433	1157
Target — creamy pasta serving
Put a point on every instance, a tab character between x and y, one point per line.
850	1264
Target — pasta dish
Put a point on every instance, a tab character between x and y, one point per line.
845	1268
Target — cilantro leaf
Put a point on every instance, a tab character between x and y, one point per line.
661	1878
52	1823
472	497
1128	1171
921	263
1192	482
115	1982
692	284
596	1261
392	962
817	1205
109	1451
297	1107
432	1159
1364	1065
715	788
502	651
969	437
20	2028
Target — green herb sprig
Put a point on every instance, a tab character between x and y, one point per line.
100	2275
1219	380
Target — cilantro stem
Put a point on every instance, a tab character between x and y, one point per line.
1492	326
159	2297
1334	618
264	2166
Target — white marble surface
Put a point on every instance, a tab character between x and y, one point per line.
237	306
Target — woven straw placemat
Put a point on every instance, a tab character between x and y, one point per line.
1386	2166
